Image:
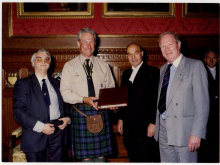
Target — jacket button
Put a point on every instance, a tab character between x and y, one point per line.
176	103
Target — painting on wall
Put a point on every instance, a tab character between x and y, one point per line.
200	10
138	10
54	10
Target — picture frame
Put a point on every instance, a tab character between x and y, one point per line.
200	10
111	10
55	10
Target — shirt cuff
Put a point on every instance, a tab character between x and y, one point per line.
82	100
38	126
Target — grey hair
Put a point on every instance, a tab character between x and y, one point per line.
86	30
33	58
211	51
175	35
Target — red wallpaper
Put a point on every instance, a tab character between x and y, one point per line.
136	26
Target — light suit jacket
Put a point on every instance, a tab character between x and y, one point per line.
188	103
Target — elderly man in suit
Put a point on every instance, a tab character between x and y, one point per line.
38	107
137	120
183	103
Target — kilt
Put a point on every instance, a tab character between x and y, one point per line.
84	143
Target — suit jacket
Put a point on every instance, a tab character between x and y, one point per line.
29	107
142	99
188	102
213	83
213	121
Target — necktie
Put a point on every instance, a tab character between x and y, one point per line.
46	95
163	92
88	70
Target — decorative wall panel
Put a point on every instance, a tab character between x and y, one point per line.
138	26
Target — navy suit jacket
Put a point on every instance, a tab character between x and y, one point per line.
29	107
213	83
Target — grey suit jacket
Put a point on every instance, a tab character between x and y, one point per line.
187	104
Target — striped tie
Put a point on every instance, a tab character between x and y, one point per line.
163	92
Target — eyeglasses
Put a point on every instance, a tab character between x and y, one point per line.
40	60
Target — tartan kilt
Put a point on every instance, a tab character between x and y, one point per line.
85	144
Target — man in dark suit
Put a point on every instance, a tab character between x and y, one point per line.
38	107
136	121
209	151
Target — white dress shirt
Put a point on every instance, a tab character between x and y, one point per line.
54	104
134	72
213	71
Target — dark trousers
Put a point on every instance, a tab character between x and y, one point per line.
209	149
140	148
145	150
52	152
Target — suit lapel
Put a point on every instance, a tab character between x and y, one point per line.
211	78
178	77
38	94
127	76
59	97
162	72
139	75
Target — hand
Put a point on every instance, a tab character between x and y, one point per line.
48	129
194	143
89	101
150	130
65	120
120	126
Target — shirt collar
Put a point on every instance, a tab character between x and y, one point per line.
177	61
212	69
137	68
40	78
82	59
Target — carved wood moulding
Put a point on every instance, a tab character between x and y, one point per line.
15	59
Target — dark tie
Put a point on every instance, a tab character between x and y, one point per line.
88	70
163	92
46	95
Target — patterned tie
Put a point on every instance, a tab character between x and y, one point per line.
46	95
88	70
163	92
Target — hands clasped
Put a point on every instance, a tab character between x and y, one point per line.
49	128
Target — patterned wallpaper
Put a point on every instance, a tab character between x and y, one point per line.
136	26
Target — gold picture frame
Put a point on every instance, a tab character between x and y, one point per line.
170	12
200	10
64	12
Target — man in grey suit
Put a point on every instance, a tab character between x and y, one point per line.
183	103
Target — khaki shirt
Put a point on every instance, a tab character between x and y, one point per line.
74	80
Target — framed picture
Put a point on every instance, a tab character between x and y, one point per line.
200	10
138	10
54	10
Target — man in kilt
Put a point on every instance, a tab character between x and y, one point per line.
82	78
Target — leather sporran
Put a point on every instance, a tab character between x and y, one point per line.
94	123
